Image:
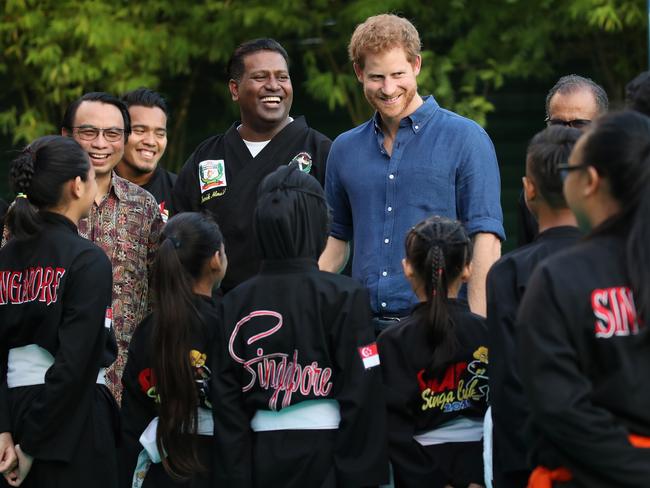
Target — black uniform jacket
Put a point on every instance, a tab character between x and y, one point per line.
222	177
585	356
160	186
506	283
55	292
418	403
294	333
140	399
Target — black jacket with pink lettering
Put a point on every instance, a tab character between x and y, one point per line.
419	403
55	292
585	357
294	333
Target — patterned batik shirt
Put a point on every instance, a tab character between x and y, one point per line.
126	225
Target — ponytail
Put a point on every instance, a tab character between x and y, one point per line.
37	176
638	247
438	249
188	241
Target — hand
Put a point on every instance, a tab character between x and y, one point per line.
8	457
18	474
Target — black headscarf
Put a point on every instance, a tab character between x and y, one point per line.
291	218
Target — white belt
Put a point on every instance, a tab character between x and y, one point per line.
27	365
461	429
150	454
307	415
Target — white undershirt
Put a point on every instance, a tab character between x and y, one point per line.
255	147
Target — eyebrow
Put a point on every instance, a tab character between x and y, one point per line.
144	126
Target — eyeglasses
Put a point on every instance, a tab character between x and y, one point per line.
575	123
111	134
566	168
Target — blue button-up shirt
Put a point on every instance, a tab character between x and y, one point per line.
441	164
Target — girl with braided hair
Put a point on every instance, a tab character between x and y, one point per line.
56	332
434	366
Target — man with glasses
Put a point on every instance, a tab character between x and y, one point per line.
145	147
574	101
124	220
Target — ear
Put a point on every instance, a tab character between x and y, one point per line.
530	190
466	273
408	269
76	187
358	70
65	132
233	86
594	182
417	65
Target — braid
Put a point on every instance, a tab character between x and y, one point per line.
441	247
22	171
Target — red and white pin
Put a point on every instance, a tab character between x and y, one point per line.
108	318
369	355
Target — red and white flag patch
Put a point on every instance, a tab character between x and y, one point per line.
369	355
108	318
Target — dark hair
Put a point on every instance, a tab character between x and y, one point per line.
102	97
618	147
39	173
188	241
546	150
146	98
572	83
236	63
637	93
438	249
291	218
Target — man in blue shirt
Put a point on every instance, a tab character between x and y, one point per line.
412	160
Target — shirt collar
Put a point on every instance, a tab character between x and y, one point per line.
119	186
417	119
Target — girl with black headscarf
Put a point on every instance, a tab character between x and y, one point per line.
297	388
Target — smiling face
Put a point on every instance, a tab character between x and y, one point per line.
104	155
147	141
264	93
389	83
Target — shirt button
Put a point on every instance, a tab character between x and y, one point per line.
384	273
392	177
383	304
386	241
417	127
390	209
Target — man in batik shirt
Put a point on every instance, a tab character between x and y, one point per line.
124	220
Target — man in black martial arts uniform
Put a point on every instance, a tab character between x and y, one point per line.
506	283
146	146
574	101
223	173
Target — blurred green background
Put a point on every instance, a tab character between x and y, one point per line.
491	60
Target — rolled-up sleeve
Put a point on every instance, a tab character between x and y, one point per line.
478	186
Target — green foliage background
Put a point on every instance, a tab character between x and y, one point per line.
53	51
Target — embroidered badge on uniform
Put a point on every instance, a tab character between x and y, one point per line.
369	355
108	318
303	160
212	174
